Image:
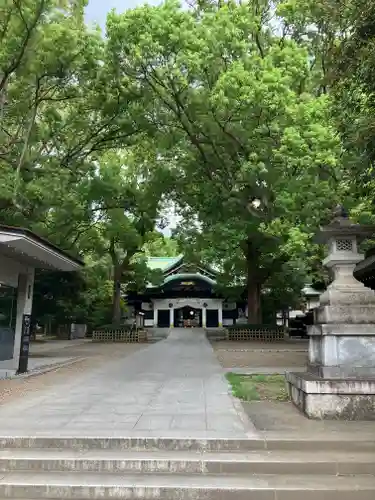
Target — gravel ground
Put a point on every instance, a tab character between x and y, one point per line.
95	355
252	355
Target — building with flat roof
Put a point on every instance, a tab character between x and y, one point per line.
21	252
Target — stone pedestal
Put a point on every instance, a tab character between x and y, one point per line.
340	381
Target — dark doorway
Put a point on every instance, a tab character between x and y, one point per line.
187	317
212	318
163	318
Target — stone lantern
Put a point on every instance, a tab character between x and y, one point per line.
340	381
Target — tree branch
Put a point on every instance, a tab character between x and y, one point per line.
25	42
26	144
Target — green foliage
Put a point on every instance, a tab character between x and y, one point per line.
126	200
56	115
257	155
59	113
158	245
210	108
339	36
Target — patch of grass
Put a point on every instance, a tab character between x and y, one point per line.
258	387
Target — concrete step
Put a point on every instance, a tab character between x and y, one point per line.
132	443
187	462
339	442
188	487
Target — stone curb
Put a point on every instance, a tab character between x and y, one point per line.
46	369
265	370
250	428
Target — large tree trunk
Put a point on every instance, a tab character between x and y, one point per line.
117	275
254	287
116	298
254	309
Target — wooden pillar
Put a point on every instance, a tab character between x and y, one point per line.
171	317
204	317
221	314
155	316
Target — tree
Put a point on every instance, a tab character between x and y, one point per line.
121	231
340	35
252	149
56	114
354	106
60	112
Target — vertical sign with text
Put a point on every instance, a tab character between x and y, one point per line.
25	343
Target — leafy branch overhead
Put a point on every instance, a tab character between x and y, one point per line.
55	111
251	119
257	152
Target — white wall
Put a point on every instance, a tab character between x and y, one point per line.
192	302
9	271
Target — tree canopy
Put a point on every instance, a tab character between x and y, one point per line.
64	128
252	119
255	152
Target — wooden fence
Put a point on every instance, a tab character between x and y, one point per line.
258	333
121	334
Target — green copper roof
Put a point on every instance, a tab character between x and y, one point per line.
163	263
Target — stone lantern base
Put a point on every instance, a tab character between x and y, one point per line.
329	399
340	380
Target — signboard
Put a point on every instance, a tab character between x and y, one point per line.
25	343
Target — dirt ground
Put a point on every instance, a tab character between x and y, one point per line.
256	354
95	355
284	418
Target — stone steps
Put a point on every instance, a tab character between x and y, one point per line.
273	441
145	468
188	462
28	485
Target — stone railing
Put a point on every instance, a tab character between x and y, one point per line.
119	334
260	333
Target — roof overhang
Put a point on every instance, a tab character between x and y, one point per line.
189	276
27	248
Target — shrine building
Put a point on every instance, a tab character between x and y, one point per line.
185	298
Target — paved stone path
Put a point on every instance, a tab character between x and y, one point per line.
174	388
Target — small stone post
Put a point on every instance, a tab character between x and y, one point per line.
340	381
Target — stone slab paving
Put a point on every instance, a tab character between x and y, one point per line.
174	388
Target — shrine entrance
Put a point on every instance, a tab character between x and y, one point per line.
188	317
